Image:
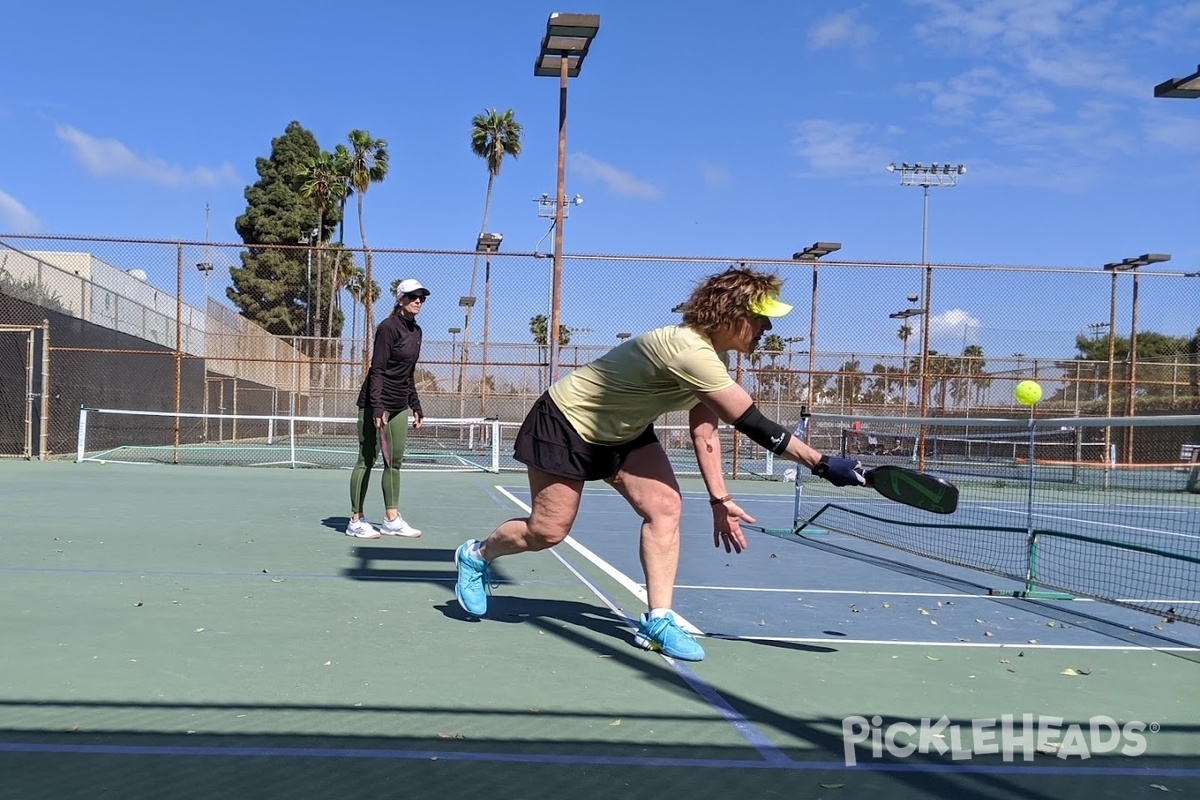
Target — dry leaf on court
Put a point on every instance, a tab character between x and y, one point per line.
833	785
933	658
614	723
1160	787
922	612
1074	673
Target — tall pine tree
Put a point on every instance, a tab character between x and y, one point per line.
271	286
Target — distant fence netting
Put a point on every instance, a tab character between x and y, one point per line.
1044	503
166	335
160	437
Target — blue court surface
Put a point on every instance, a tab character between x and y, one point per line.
832	587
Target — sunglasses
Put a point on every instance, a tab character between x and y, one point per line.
408	298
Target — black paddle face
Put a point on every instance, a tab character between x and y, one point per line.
914	488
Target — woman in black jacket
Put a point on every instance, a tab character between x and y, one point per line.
387	397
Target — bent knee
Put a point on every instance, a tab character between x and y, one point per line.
664	507
543	537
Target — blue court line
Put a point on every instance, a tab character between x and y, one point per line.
589	760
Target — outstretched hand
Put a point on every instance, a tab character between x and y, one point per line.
727	529
840	471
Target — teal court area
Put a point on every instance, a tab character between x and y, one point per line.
203	632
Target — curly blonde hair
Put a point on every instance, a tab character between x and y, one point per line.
726	297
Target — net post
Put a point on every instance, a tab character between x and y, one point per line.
1193	481
81	441
292	441
495	422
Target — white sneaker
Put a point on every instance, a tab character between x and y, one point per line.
398	527
361	529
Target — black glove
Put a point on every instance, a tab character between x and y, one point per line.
840	471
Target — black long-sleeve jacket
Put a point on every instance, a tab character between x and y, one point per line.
389	384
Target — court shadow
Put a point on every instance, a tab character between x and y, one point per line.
545	614
797	647
395	562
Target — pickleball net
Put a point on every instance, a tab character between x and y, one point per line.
254	440
1121	525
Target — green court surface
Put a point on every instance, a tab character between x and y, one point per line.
208	632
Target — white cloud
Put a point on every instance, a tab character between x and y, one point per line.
839	148
16	218
618	181
105	157
843	28
954	323
715	176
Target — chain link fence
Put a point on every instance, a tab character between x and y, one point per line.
182	327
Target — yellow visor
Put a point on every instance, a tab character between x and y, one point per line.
770	307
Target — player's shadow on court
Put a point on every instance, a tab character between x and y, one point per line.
546	614
558	615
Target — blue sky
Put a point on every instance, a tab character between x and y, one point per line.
697	128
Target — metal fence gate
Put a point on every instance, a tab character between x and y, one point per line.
24	391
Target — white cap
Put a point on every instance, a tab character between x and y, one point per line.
410	286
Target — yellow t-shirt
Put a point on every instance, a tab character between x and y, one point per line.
613	399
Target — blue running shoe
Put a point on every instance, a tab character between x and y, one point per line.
472	584
665	636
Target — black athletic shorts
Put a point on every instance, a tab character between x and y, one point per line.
548	442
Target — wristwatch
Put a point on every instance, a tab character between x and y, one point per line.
716	501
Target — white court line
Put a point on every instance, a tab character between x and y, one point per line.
994	645
632	586
1103	523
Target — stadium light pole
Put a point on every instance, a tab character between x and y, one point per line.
486	243
812	254
1114	267
563	50
454	332
307	238
466	303
1187	88
623	335
926	176
904	315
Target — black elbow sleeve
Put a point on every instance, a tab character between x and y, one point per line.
763	431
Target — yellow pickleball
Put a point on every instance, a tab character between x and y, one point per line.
1028	392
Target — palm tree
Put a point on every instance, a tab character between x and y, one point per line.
494	135
367	163
321	186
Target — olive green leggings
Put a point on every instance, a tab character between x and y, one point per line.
396	433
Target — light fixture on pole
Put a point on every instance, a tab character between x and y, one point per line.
486	243
563	50
623	335
454	332
791	373
905	333
1114	267
466	304
308	237
926	176
205	268
811	254
1188	88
